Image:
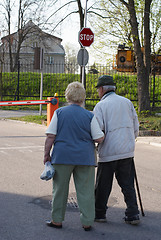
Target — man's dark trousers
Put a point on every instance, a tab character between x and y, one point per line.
124	172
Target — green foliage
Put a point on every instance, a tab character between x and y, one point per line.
145	113
111	25
150	122
29	86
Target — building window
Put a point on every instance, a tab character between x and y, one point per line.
35	44
50	60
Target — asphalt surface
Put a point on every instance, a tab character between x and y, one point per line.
5	114
19	113
25	200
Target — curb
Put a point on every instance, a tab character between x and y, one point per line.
151	133
150	143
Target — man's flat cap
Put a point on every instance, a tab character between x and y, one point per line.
105	80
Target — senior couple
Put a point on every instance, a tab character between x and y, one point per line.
73	132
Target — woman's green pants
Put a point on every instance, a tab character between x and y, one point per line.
84	177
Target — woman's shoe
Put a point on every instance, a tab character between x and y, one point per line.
87	228
54	225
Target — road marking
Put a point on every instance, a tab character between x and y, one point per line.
25	147
25	150
3	152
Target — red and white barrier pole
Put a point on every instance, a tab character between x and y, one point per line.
27	102
52	105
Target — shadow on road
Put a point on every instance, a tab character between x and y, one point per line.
23	217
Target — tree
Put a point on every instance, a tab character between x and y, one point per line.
156	27
133	26
142	59
130	21
76	9
71	60
25	9
69	7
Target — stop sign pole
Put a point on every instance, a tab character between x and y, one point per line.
85	38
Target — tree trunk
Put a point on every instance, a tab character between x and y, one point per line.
143	87
142	72
147	49
81	14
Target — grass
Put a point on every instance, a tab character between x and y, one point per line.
30	118
150	123
147	122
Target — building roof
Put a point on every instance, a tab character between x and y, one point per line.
31	26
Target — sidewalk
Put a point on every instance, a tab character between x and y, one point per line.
17	113
155	141
152	140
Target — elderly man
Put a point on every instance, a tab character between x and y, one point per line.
118	120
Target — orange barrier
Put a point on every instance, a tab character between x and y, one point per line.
51	107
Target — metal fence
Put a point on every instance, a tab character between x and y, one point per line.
25	83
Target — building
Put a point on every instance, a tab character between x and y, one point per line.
23	44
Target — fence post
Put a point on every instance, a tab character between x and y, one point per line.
18	82
1	82
51	108
153	105
41	92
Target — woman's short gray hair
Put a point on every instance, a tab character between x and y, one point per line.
75	92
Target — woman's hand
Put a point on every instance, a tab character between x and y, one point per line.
47	159
48	145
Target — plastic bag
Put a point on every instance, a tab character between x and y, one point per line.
48	172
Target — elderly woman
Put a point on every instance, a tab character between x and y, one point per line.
73	131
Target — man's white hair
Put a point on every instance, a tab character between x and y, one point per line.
109	88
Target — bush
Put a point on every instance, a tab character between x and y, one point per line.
29	86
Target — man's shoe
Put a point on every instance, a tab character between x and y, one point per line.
100	219
134	220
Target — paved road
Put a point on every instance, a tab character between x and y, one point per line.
19	113
25	200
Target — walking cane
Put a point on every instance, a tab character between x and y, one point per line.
138	191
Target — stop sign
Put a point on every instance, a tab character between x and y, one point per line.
86	37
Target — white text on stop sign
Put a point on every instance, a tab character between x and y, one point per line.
86	37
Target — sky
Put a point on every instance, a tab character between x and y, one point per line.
69	30
70	27
69	35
